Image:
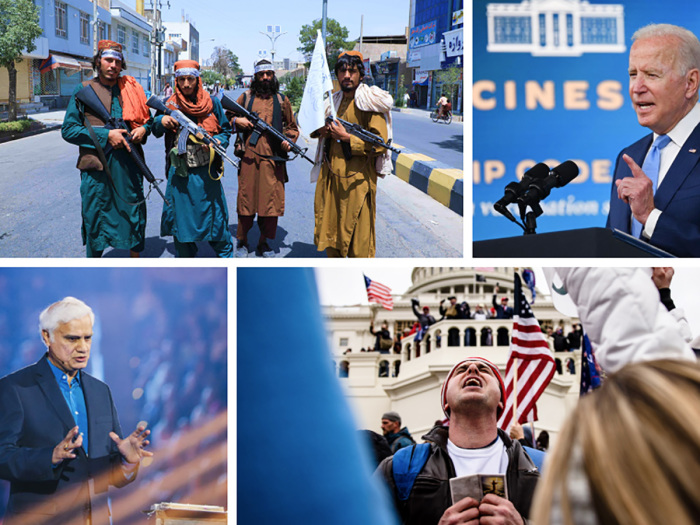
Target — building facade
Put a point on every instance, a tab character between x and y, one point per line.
435	44
555	28
408	380
133	32
63	56
189	36
387	59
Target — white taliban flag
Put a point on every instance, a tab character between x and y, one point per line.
312	115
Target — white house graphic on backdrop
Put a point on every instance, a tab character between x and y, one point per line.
555	28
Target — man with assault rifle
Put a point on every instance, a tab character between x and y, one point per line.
262	172
111	184
196	137
353	151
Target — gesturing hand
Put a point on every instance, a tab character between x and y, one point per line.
132	447
64	450
636	191
662	277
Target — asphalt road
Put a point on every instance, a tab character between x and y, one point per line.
415	131
40	206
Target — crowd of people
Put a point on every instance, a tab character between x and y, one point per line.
596	472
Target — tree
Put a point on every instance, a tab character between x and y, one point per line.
294	89
335	40
451	80
19	27
225	62
210	77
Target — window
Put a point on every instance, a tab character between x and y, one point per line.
121	34
101	30
134	42
84	28
61	16
343	341
145	46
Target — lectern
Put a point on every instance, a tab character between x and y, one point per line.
587	242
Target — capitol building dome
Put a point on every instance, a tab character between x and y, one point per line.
408	377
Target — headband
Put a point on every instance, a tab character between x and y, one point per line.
112	54
494	369
187	72
264	67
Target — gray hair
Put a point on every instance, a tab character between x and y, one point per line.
689	50
63	311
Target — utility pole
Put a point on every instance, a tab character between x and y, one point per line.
157	39
95	22
324	18
273	33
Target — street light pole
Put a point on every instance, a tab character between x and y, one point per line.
273	36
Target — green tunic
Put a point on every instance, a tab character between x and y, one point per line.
109	218
198	210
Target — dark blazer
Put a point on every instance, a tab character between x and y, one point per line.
34	418
677	197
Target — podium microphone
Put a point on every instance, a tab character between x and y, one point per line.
516	189
558	177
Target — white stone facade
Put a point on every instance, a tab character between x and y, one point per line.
409	382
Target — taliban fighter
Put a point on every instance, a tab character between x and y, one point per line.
197	209
345	202
113	205
263	171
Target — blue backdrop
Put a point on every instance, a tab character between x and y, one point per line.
530	109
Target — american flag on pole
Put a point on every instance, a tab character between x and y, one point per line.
379	293
535	363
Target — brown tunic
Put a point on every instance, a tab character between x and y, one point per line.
260	180
345	201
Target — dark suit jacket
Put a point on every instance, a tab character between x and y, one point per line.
34	418
677	197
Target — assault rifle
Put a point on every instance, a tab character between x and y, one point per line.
362	134
259	125
90	100
189	128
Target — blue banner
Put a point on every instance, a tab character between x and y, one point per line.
423	35
551	84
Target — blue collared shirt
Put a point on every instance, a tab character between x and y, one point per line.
75	399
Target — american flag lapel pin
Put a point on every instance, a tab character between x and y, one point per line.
692	151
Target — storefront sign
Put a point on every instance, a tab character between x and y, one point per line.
423	35
454	43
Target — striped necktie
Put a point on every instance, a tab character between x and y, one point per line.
651	169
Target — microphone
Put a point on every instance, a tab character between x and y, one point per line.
515	189
558	177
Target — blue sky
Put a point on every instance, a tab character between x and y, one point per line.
237	25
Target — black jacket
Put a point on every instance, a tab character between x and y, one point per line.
430	495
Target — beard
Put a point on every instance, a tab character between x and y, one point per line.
264	87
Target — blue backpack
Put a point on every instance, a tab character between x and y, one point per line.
406	464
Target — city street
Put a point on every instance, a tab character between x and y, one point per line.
414	130
40	205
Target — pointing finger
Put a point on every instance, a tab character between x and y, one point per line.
634	167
